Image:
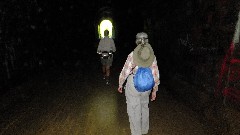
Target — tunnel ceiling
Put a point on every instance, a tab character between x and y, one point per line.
52	12
73	15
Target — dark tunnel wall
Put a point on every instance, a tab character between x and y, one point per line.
36	34
190	38
41	34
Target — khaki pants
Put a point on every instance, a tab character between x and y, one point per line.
137	108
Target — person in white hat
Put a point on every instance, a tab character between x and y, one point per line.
137	102
106	46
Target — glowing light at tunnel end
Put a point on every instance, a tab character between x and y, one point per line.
105	25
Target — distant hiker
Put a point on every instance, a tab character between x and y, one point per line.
106	47
137	94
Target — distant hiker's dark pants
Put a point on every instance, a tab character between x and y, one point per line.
137	108
107	62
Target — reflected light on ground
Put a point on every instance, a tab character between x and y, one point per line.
102	114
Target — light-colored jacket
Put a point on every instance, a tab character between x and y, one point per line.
106	44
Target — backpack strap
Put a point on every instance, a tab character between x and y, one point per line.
134	68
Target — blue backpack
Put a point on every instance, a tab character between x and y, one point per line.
143	79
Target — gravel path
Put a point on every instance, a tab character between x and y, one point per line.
79	103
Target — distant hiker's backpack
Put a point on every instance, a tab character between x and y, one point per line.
143	79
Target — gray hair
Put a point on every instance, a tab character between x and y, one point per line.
141	38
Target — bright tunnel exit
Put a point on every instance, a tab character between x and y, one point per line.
105	25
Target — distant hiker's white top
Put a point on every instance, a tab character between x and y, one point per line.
106	44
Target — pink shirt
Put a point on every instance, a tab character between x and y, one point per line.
129	67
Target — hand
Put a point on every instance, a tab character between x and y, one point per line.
154	95
120	89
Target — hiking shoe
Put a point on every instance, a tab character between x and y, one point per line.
107	82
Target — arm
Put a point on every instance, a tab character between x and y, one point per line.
156	77
113	46
127	69
99	46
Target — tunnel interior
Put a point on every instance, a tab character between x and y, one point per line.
190	38
182	34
